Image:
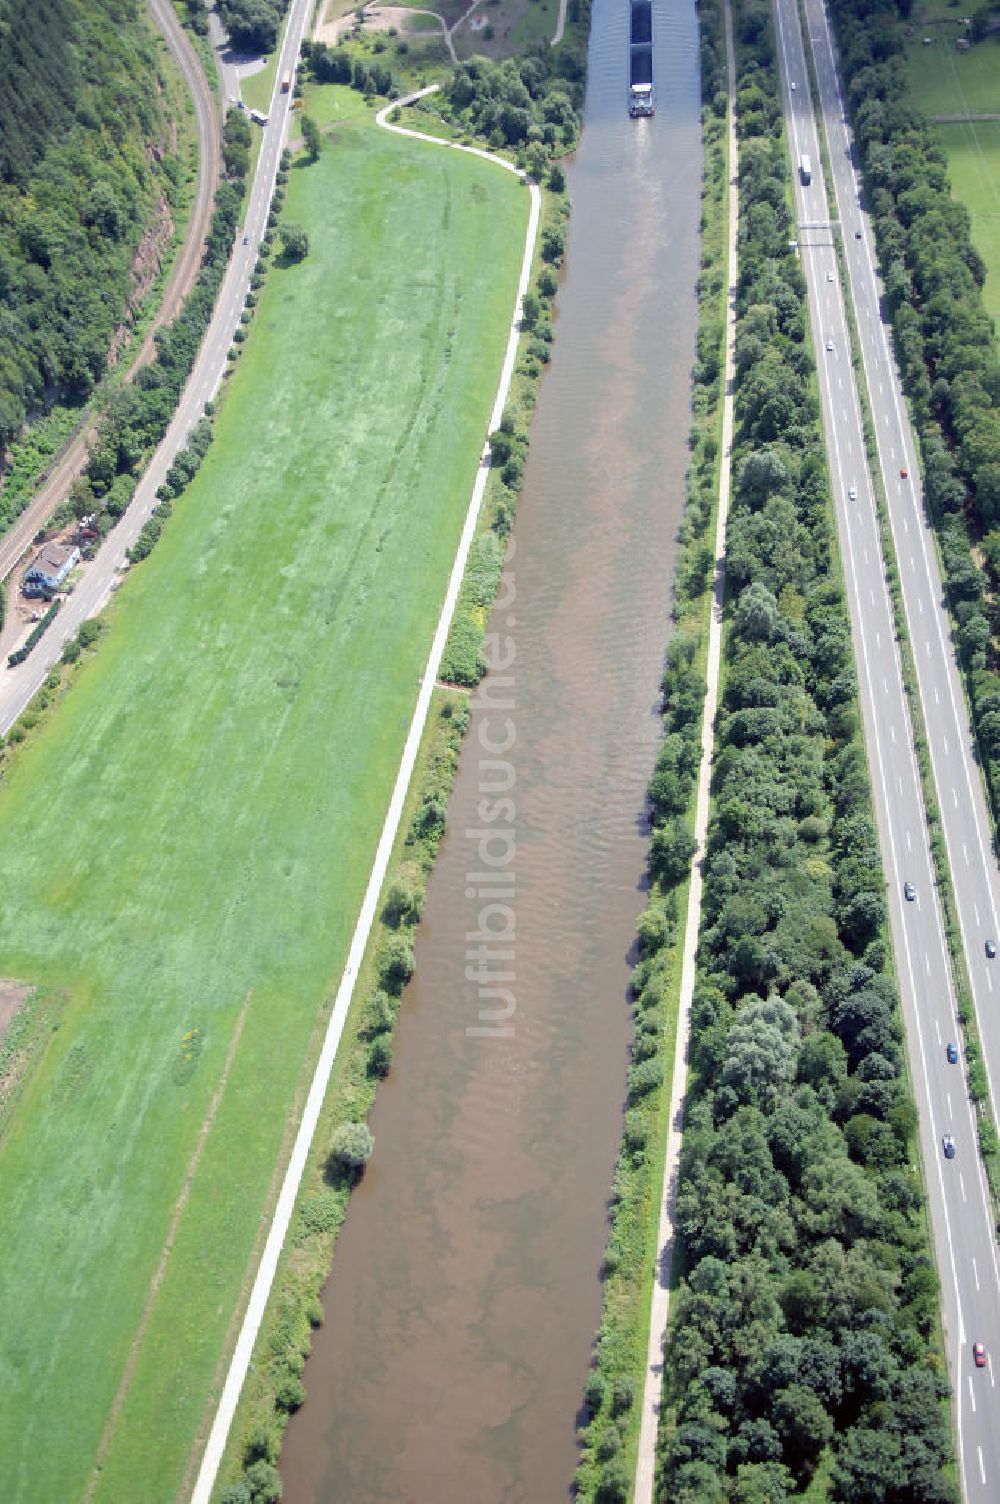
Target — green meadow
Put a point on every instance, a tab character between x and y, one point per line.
944	81
184	845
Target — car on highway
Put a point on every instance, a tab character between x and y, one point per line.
991	949
904	474
829	344
829	276
246	240
948	1144
793	86
952	1052
979	1354
852	493
909	892
857	234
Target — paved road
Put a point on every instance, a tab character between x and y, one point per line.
73	459
19	684
959	1203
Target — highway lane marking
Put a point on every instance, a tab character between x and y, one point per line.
937	697
937	1026
961	1184
909	842
948	1095
982	1470
965	853
975	906
989	1359
945	740
972	1393
892	732
920	607
989	981
954	795
975	1273
899	784
865	255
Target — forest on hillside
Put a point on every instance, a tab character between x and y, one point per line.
83	158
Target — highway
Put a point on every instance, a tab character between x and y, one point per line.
18	685
73	457
958	1198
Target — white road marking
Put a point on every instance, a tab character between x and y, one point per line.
972	1393
965	853
982	1470
909	842
937	697
989	1360
975	1273
975	910
961	1183
948	1096
892	732
937	1026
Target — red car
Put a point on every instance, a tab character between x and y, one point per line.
903	473
979	1354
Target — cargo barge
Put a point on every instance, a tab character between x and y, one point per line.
641	91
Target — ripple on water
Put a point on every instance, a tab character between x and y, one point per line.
465	1292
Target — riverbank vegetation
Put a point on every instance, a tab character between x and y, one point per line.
85	161
609	1434
275	1389
945	345
198	907
803	1346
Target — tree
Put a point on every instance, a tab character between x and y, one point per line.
311	137
351	1147
294	242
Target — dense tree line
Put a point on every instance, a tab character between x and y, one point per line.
531	104
945	341
80	159
252	25
804	1330
136	416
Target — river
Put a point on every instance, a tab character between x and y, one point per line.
465	1291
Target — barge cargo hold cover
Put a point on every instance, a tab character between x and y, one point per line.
641	92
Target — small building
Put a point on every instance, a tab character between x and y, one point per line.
48	569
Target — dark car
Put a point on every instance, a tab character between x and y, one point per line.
857	234
948	1144
991	949
979	1355
909	892
952	1052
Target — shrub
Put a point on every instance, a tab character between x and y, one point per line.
351	1147
396	963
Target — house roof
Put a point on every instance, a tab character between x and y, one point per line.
52	558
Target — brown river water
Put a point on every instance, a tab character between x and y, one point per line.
465	1292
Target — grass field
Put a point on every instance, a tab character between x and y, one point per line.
183	849
974	164
945	81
